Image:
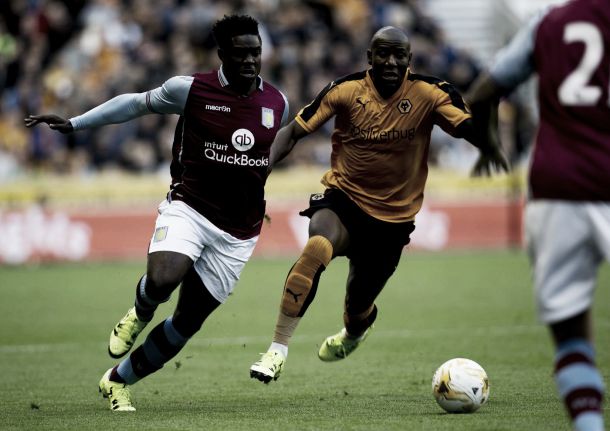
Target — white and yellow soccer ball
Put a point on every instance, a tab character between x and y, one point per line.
460	386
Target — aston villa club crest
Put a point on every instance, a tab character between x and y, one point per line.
267	117
160	234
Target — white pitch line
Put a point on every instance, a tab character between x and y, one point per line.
263	340
305	338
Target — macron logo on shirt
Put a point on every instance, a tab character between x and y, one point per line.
218	108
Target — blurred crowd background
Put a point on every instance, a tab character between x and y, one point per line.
66	57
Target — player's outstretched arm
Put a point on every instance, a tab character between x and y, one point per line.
170	98
284	142
55	122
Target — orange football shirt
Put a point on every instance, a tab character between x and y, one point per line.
380	146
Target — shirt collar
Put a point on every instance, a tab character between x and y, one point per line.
224	81
397	94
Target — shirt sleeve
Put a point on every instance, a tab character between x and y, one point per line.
170	98
514	63
318	112
451	110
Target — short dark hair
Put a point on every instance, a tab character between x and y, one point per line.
233	25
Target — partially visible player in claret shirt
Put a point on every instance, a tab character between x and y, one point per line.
567	215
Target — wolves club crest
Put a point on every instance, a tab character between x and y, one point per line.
404	106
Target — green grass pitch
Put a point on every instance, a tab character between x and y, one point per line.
55	322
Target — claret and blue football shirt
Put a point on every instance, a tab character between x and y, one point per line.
221	143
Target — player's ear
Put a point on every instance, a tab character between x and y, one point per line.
409	61
369	56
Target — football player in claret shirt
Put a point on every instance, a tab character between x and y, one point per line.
374	188
209	224
567	214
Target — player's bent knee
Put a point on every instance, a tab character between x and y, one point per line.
165	271
318	250
160	286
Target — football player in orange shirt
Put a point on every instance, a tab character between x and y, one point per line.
374	188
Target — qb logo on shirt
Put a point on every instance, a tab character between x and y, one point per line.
242	139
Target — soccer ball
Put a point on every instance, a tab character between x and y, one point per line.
460	386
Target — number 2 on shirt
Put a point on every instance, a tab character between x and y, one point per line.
575	89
